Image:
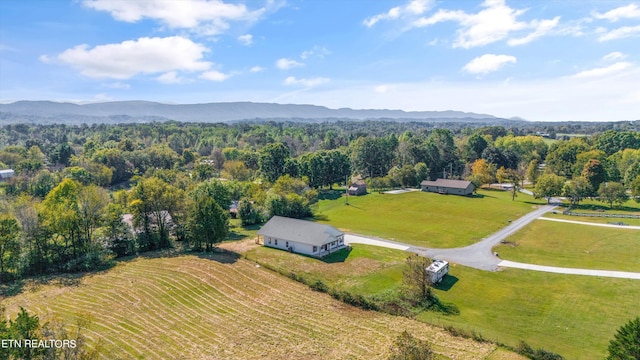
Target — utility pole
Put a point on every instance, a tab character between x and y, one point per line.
346	182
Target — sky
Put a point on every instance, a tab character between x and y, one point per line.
540	60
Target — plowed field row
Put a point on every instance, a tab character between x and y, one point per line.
188	307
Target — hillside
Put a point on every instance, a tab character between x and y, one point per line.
189	307
145	111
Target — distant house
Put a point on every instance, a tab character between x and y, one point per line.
437	270
300	236
6	174
233	209
358	188
168	220
448	186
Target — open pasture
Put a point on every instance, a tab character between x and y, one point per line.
574	245
575	316
426	219
222	307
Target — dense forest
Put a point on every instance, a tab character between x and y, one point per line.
83	195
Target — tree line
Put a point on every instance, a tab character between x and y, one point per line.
83	195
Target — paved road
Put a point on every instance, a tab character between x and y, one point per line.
477	256
592	223
571	271
480	255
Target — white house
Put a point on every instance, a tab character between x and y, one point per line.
437	270
6	174
300	236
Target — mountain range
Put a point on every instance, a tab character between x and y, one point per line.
146	111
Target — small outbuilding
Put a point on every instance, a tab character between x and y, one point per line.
358	188
448	186
6	174
301	236
437	270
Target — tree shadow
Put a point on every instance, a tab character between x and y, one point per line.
219	255
447	283
236	235
61	280
330	194
338	256
478	196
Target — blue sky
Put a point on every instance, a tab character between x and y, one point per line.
539	60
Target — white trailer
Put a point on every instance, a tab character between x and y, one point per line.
437	270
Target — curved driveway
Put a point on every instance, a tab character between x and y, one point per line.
480	255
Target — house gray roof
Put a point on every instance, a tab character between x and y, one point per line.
449	183
6	173
300	231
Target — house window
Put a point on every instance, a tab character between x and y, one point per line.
269	240
315	249
287	244
276	242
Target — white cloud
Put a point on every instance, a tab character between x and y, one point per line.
542	28
214	75
488	63
256	69
118	85
208	17
495	22
286	64
381	89
412	8
317	51
44	59
604	71
246	39
310	82
616	55
132	57
630	11
171	77
619	33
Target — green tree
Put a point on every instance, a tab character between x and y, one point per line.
9	244
548	186
415	280
407	347
509	176
272	161
422	172
594	173
152	202
577	190
532	171
626	343
635	189
612	193
372	157
208	222
482	172
25	327
563	155
248	213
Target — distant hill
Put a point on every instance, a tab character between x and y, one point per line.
145	111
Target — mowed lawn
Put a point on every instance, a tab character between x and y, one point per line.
223	307
575	316
426	219
553	243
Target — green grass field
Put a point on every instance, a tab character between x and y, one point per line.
575	316
571	245
223	307
426	219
